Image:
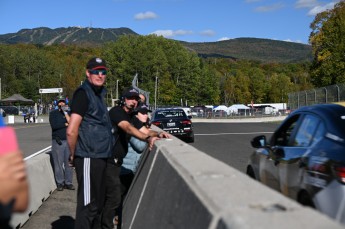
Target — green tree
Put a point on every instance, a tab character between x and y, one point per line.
328	41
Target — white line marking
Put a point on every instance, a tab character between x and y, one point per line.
234	133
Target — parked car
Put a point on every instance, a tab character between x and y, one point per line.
174	121
305	158
10	110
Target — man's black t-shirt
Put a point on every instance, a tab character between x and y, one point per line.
118	114
80	103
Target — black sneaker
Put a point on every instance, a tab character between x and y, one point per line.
69	187
60	187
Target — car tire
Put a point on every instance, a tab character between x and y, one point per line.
305	199
250	172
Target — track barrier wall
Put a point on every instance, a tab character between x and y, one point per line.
178	186
41	185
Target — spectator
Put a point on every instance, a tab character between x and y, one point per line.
135	145
59	120
121	121
135	149
90	141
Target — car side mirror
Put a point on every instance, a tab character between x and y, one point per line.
189	116
259	141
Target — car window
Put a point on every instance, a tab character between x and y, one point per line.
177	113
170	113
282	136
320	131
305	133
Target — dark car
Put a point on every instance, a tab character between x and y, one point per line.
305	158
10	110
174	121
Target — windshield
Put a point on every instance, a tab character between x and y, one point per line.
170	114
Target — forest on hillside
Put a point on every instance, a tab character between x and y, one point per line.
181	74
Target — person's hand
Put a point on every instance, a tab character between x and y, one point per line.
164	134
71	160
151	141
13	179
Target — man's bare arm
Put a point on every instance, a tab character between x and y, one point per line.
129	129
72	134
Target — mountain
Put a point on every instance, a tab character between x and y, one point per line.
70	35
264	50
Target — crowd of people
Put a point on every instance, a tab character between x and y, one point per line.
104	147
99	142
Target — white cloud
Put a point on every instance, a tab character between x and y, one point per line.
268	8
317	9
145	15
171	33
306	3
208	33
296	41
224	39
315	6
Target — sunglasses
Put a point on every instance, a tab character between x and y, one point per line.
96	72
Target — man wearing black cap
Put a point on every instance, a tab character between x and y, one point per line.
120	117
59	120
90	141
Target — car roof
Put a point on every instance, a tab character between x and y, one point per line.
332	114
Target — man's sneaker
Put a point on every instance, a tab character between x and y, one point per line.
69	187
60	187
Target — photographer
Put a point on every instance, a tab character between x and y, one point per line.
59	120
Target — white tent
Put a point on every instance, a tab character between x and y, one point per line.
233	109
221	108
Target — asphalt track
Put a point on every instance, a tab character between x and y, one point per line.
228	142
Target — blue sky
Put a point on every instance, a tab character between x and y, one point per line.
185	20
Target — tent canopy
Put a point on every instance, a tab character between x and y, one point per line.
234	108
17	98
220	107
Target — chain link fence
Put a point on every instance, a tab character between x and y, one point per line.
330	94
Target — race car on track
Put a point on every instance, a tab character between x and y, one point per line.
174	121
305	158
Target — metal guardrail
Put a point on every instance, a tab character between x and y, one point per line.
329	94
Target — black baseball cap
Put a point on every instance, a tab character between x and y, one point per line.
130	92
143	108
96	63
61	98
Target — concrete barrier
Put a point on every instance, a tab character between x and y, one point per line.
180	187
41	185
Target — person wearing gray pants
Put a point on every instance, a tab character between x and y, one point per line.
59	120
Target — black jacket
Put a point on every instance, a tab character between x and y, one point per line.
58	122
